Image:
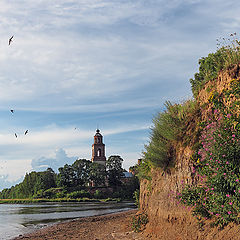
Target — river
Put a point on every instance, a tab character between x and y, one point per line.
16	219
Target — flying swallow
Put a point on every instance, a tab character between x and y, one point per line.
15	135
12	111
10	40
26	132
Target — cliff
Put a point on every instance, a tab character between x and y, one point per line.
168	218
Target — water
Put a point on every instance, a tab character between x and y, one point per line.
16	219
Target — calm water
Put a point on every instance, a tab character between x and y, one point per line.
18	219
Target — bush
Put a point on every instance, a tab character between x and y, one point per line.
218	167
98	194
227	55
50	193
136	195
139	221
79	194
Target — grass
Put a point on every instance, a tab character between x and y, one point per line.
175	124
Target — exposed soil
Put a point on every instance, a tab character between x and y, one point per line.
107	227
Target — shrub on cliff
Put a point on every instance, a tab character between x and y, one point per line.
227	54
169	127
217	196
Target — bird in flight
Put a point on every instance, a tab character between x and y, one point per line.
12	111
10	40
15	135
26	132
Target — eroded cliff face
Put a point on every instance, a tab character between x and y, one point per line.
157	199
167	218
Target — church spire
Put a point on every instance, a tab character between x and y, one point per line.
98	149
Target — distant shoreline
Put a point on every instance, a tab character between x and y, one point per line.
109	226
45	200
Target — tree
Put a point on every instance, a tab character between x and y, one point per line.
114	170
32	183
75	175
81	168
65	176
97	174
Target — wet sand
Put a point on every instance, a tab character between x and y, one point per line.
114	226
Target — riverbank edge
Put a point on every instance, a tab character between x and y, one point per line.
46	200
103	227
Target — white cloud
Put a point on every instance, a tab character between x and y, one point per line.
96	56
13	170
59	160
68	60
35	150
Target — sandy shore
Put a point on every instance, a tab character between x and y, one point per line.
107	227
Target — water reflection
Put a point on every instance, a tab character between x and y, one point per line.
18	219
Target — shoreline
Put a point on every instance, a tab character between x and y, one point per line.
112	226
57	200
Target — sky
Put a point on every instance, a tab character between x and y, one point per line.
88	64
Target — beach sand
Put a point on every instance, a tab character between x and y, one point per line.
108	227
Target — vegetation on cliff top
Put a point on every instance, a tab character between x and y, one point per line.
215	141
169	127
227	55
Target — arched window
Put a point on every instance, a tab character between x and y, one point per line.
99	152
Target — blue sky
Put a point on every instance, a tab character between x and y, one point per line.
89	63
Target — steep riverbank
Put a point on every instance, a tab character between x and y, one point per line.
107	227
170	216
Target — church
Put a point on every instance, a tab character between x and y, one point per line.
98	149
98	154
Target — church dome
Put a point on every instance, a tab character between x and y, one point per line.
98	133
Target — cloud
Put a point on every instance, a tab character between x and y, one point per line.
59	160
5	183
12	171
99	63
34	151
91	55
80	63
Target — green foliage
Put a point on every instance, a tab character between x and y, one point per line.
32	183
97	174
114	170
217	197
30	200
73	181
139	221
81	173
136	196
79	194
76	174
126	190
227	55
169	127
50	193
144	169
98	194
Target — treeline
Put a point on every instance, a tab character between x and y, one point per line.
82	179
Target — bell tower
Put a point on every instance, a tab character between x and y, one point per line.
98	149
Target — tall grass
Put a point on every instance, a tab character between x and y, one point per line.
169	127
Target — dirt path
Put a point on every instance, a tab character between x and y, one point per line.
108	227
